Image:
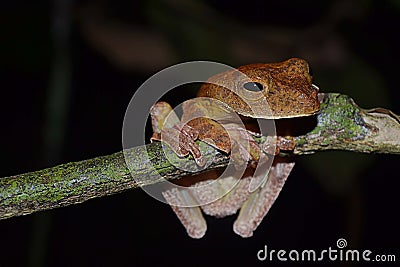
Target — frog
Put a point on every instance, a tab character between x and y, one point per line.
270	91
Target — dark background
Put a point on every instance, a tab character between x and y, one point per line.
69	69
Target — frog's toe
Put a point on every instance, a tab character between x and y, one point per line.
256	182
182	140
286	143
260	201
183	204
260	175
162	116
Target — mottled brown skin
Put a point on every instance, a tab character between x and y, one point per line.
287	88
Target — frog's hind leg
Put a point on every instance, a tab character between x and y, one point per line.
183	204
260	201
224	197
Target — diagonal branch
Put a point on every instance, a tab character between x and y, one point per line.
341	125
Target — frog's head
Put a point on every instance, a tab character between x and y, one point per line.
269	91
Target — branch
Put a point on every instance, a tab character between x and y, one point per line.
341	125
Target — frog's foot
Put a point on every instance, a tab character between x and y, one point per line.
191	217
260	201
273	145
180	138
244	147
285	143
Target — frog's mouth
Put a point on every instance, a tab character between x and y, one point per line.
277	116
280	104
271	112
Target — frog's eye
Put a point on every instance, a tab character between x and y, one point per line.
252	90
253	86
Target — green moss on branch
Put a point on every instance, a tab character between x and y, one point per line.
341	125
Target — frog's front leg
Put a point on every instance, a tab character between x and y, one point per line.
209	121
180	137
221	127
260	201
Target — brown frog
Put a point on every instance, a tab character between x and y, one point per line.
266	91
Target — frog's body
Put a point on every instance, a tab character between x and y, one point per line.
288	91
